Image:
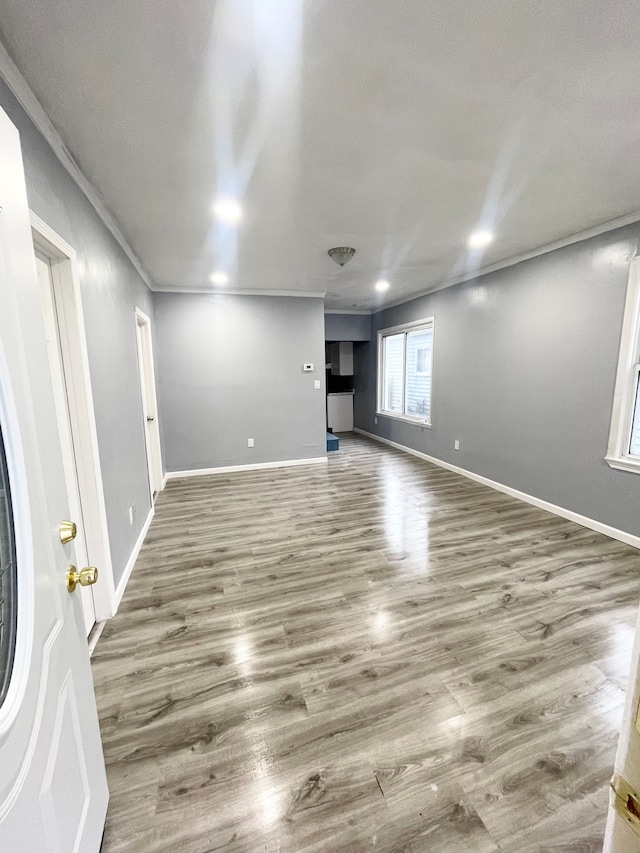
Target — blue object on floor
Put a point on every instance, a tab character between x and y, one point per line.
333	442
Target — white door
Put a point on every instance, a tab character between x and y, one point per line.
61	393
623	822
149	404
53	790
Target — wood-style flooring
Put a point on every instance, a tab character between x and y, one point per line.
373	655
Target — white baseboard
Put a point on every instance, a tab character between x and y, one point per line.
591	523
164	480
227	469
124	580
95	635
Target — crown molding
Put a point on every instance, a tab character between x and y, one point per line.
361	313
31	105
23	93
578	237
212	291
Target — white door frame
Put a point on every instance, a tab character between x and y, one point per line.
64	272
58	362
149	403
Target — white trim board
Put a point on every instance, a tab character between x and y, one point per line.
362	313
621	428
95	635
124	580
591	523
228	469
511	261
12	76
228	291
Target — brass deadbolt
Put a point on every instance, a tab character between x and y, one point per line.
68	531
84	577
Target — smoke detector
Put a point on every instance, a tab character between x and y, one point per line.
341	254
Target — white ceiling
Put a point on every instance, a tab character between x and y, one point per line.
393	127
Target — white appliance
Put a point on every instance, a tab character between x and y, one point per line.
340	411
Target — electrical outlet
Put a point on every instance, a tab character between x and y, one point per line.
456	444
131	514
316	384
250	442
308	368
375	420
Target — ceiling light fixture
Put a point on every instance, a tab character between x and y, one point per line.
228	210
341	254
382	285
219	278
480	239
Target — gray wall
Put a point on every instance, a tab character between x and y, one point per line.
523	375
347	327
229	369
110	289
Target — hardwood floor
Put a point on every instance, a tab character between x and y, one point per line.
379	655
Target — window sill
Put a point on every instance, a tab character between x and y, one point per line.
624	463
406	418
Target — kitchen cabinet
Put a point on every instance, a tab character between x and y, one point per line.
342	358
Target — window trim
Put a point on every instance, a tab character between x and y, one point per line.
414	325
618	455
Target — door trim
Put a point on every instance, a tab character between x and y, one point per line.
64	271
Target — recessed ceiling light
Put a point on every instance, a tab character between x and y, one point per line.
480	239
219	278
228	210
382	285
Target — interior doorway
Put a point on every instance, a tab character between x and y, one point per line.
149	403
68	358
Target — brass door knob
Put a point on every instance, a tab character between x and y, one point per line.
84	577
68	531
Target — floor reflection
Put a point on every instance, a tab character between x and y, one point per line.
379	655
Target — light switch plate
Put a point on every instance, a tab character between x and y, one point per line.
307	368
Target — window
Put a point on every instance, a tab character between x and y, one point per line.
423	361
624	437
8	609
405	356
634	443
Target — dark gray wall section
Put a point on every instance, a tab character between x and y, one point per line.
229	369
347	327
111	288
524	370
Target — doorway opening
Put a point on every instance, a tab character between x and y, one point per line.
149	403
